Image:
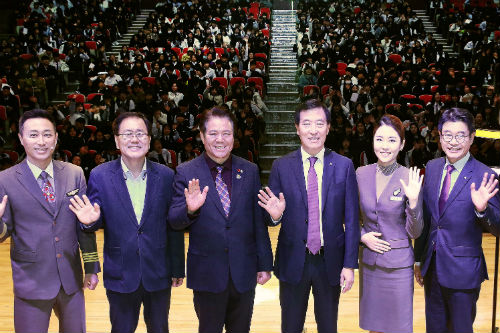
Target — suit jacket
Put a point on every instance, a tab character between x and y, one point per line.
339	211
456	233
149	251
44	244
390	215
218	245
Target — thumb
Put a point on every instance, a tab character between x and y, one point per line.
205	190
377	234
281	196
97	208
473	187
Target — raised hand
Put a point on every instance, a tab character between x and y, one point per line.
195	198
84	210
374	243
3	204
485	192
274	206
412	189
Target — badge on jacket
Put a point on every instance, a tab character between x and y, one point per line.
394	196
73	192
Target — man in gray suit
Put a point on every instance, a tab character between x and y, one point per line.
45	234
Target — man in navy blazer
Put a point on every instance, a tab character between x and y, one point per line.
45	234
460	201
143	257
319	236
229	246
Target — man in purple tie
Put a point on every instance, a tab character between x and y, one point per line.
313	194
215	198
460	201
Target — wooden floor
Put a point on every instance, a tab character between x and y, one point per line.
266	316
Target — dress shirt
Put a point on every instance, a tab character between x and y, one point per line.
226	171
318	167
459	165
136	188
37	171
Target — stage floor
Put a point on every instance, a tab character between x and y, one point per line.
266	316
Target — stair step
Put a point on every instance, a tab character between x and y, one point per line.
277	149
281	87
280	126
277	116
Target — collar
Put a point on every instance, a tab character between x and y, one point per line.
320	156
460	164
37	171
212	164
127	174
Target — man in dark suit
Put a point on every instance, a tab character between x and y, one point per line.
460	200
143	256
229	248
45	234
319	237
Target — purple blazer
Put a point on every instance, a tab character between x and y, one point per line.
390	215
44	246
457	233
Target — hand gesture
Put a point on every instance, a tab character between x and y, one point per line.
263	277
195	198
3	204
84	210
412	189
346	279
90	281
274	206
374	243
485	192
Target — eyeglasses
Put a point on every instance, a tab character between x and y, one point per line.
131	135
460	138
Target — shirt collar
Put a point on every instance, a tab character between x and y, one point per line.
37	171
305	155
459	165
127	174
212	164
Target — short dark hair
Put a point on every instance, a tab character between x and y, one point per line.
35	113
309	105
215	112
124	115
391	121
455	115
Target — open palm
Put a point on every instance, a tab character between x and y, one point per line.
3	204
412	189
84	210
195	198
273	205
484	193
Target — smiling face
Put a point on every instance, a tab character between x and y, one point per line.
387	145
132	148
312	130
458	131
218	138
39	139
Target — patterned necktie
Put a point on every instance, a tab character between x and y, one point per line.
445	190
313	231
47	189
222	190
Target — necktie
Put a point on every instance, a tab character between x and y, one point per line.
313	230
47	189
445	190
222	190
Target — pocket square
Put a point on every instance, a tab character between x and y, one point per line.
72	193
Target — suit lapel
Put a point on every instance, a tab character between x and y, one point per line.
28	181
298	170
237	182
206	180
328	172
152	183
121	191
463	178
61	183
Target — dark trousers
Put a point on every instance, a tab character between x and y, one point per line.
124	310
446	309
33	316
230	308
294	299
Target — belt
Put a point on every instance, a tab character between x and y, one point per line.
320	252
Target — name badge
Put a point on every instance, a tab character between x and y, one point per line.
73	192
394	198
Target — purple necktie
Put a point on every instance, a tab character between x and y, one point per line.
445	190
313	233
222	190
47	189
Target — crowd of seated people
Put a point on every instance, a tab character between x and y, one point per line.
189	56
367	58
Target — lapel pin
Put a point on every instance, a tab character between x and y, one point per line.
395	193
331	163
238	176
72	193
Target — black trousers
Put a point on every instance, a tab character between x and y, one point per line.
124	310
230	308
294	299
